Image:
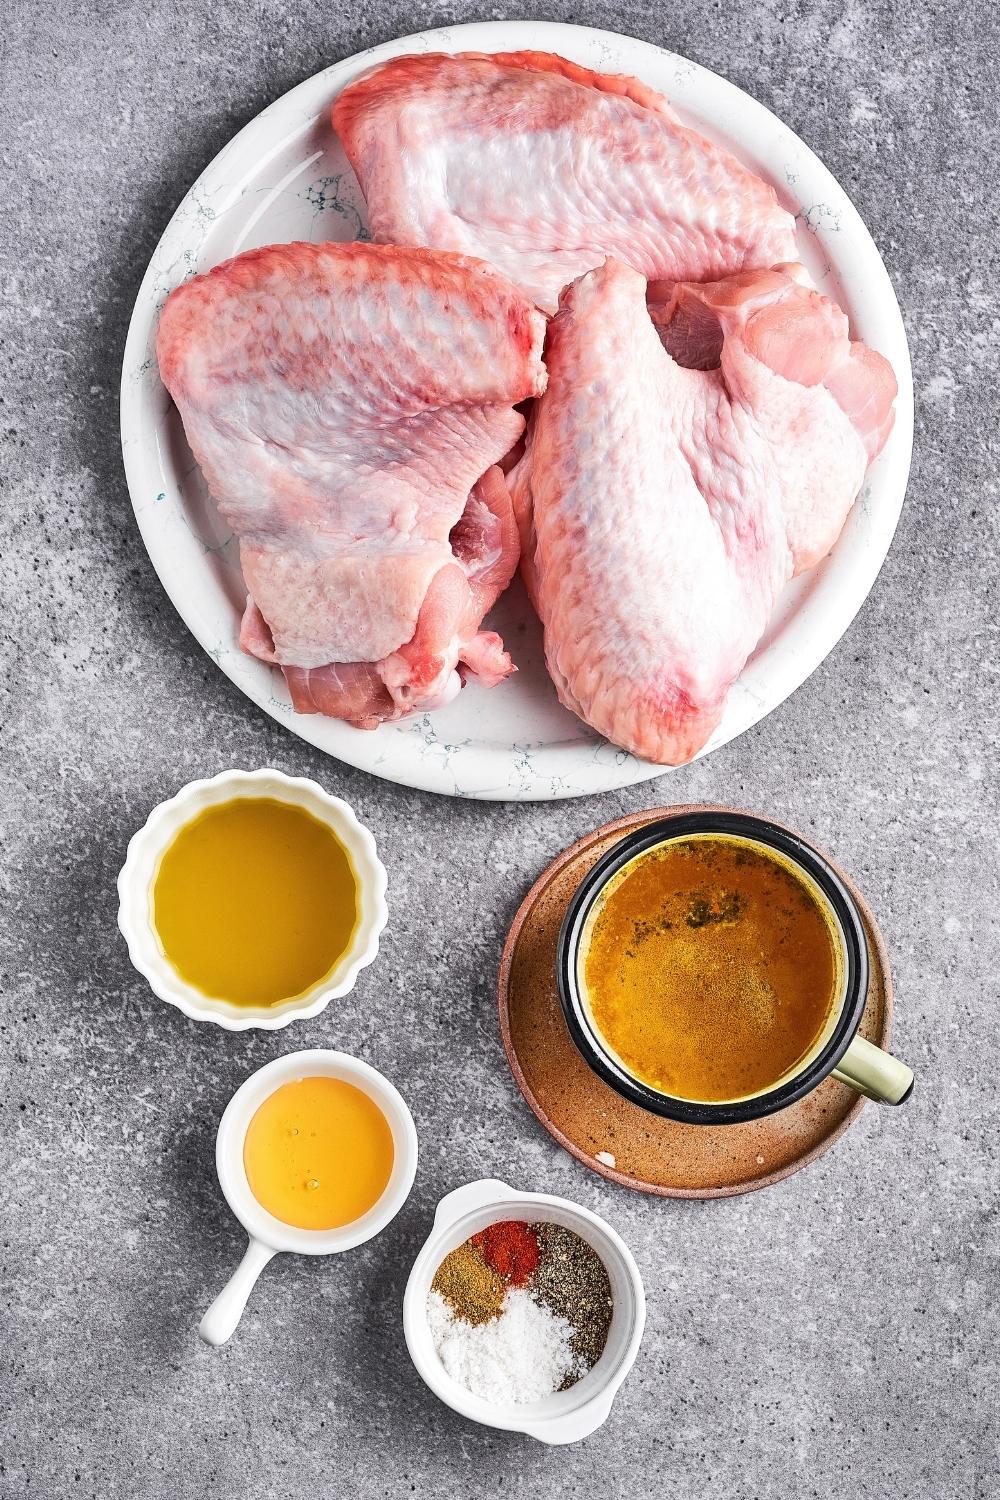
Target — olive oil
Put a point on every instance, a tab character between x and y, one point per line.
711	968
255	901
318	1153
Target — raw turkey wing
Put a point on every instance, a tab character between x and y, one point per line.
544	168
348	405
663	508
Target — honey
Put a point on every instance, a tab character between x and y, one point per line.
255	901
711	968
318	1153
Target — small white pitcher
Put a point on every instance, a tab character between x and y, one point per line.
269	1235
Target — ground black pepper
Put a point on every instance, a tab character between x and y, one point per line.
572	1280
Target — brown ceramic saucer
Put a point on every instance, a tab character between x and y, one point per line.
608	1133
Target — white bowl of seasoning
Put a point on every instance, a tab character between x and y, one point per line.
565	1416
348	1156
298	796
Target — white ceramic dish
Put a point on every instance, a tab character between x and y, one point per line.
567	1416
268	1235
285	177
135	884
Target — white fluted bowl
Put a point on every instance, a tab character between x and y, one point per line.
135	888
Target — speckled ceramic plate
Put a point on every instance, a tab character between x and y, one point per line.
609	1134
284	177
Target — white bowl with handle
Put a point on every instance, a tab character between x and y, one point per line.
565	1416
138	876
268	1235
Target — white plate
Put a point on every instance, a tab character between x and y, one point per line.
284	177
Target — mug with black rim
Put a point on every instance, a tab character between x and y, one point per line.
840	1051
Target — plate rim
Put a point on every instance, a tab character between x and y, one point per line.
618	769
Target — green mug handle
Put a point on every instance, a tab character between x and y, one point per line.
876	1074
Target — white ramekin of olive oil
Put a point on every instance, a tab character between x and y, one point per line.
252	899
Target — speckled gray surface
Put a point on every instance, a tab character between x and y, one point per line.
836	1335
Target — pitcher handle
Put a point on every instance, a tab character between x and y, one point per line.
225	1312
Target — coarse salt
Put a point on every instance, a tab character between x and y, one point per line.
522	1355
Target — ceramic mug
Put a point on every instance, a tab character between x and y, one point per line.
841	1052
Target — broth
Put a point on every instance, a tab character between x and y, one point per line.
711	968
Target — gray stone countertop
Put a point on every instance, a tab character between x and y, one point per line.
835	1335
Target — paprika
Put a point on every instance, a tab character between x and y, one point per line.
509	1247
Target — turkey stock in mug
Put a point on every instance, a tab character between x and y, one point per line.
713	967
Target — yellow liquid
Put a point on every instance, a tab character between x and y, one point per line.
318	1153
255	901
